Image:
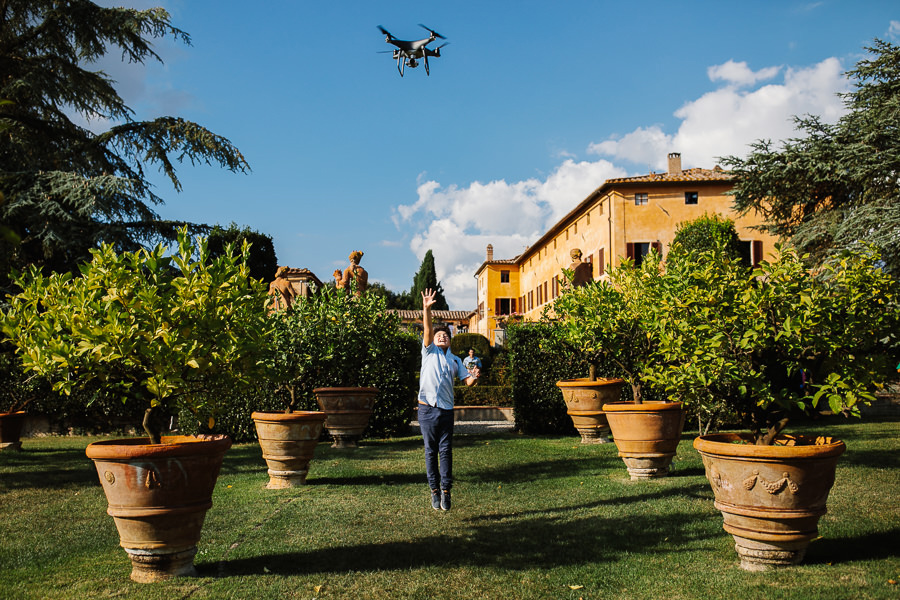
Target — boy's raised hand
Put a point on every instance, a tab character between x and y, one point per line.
428	297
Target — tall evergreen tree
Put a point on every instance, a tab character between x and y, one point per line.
65	188
837	184
426	278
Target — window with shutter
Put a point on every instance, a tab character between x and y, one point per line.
601	263
757	252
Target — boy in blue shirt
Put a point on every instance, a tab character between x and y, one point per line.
439	369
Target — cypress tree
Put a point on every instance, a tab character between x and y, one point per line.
426	278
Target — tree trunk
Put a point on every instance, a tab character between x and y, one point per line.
151	426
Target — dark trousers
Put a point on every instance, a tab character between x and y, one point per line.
437	432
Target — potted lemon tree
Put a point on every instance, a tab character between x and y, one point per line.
157	329
769	344
606	321
288	438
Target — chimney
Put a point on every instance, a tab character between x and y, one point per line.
490	253
674	163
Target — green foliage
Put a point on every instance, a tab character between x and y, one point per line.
724	339
461	342
538	359
150	328
604	322
482	395
709	232
66	188
426	278
835	185
261	260
335	339
17	389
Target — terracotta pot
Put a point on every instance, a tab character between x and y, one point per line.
646	435
771	497
347	411
288	442
158	495
11	425
584	404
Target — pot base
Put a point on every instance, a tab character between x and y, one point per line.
647	467
149	566
762	556
345	441
594	436
279	480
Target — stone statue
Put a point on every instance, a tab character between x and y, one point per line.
357	273
281	291
338	279
583	272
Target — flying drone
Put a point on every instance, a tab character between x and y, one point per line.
408	53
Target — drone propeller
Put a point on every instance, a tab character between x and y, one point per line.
385	31
432	32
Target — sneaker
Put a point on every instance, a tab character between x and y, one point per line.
445	500
435	499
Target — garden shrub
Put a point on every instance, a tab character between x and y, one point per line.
461	343
481	395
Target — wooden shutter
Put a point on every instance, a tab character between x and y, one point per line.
629	251
657	246
496	306
757	252
512	305
601	265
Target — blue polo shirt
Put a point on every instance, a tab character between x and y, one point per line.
437	375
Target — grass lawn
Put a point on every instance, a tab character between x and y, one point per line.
533	517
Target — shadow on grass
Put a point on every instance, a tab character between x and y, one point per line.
870	546
48	468
875	459
694	491
543	542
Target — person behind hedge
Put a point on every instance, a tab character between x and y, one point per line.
471	361
440	368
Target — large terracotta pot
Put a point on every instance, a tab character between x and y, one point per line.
646	435
347	411
11	425
158	495
288	441
584	404
771	497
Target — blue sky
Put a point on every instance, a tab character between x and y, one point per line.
532	106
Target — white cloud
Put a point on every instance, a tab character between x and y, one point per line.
457	223
894	29
726	120
738	73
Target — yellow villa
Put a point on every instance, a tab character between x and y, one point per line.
624	217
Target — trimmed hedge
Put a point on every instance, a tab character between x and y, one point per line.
482	395
538	359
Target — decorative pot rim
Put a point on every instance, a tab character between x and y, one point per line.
297	415
172	446
725	444
646	406
586	382
345	390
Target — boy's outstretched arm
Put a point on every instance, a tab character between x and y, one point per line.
427	302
